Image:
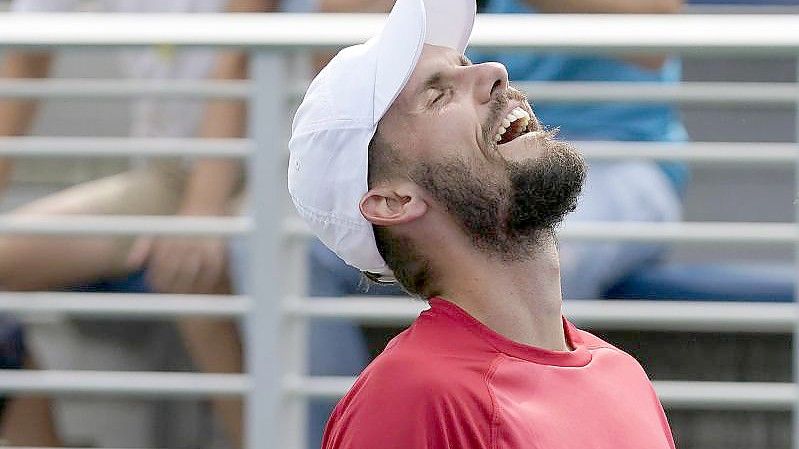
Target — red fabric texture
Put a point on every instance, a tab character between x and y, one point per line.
450	382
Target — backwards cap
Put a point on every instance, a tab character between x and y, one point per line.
339	115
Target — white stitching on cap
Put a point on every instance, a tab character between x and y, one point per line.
328	217
320	125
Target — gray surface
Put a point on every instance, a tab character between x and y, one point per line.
735	193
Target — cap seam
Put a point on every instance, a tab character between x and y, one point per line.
327	216
323	125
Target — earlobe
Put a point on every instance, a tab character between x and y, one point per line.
392	205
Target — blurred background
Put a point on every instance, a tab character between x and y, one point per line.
715	192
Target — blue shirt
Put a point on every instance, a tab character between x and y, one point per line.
595	121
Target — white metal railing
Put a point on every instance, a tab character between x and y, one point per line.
276	393
124	225
771	396
115	88
722	93
123	383
776	94
689	34
124	305
116	146
682	316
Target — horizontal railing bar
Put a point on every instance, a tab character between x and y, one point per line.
672	232
786	94
374	310
677	316
739	9
128	306
697	34
691	152
123	383
673	394
696	395
124	146
694	152
683	316
781	94
67	447
682	232
122	88
92	225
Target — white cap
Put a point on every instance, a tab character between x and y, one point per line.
339	115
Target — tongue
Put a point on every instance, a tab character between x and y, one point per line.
514	131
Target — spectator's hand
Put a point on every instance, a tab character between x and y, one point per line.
181	264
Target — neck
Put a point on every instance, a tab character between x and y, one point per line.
519	300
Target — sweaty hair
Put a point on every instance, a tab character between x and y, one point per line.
412	269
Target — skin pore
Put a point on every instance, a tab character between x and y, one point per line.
481	213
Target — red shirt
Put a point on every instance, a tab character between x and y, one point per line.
450	382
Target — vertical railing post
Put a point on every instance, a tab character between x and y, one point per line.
795	414
264	427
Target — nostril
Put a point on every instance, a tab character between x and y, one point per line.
497	85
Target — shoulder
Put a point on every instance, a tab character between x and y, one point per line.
424	372
408	398
606	354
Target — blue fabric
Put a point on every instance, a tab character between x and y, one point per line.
595	121
709	282
12	348
12	344
135	282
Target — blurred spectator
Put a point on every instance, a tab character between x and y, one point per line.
614	191
208	187
161	187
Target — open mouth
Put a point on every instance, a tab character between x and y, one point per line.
517	123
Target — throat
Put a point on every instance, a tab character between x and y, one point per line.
519	300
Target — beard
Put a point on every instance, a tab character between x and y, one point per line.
507	215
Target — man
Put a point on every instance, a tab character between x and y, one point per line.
649	192
438	174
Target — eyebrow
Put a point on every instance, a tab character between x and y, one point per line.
433	81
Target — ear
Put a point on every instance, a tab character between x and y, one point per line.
393	204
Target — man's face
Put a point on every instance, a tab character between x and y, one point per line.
474	143
452	107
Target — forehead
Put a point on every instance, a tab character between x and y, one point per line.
399	123
433	61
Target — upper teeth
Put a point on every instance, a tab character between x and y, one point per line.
514	115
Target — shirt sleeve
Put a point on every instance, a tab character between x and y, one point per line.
43	5
399	412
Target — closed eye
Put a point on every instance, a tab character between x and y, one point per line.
440	96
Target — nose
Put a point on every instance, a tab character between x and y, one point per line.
491	78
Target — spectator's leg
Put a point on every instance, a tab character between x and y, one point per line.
627	191
28	420
215	347
42	263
